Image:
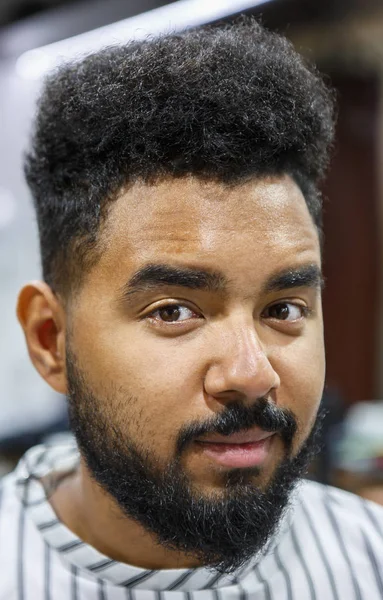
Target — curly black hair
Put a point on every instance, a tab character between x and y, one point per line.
222	103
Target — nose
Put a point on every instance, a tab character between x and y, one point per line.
241	369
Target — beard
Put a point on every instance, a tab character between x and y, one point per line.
224	530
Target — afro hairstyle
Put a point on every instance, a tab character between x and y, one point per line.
224	103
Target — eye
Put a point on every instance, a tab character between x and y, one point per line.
173	313
286	311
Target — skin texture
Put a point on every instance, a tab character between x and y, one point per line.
229	345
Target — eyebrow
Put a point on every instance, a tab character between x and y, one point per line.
309	276
153	276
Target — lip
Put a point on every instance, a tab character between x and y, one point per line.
251	436
242	450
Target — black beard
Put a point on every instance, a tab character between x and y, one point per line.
222	531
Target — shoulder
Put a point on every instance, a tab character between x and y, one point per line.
10	510
355	523
332	546
8	496
347	506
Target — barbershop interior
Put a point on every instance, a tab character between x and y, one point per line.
344	38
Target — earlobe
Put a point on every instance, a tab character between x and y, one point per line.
41	315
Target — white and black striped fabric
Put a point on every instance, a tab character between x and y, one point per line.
329	547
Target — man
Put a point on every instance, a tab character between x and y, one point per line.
176	189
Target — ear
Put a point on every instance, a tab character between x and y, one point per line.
42	317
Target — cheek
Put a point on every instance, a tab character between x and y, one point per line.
301	368
153	384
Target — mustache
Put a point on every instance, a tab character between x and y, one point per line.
237	417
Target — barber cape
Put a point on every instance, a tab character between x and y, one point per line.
329	546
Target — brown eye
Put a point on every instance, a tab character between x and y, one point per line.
285	311
173	313
169	313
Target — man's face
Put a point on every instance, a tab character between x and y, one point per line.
205	302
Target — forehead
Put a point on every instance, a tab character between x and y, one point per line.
262	224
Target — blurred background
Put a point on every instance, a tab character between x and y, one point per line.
345	39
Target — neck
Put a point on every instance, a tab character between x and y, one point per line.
94	516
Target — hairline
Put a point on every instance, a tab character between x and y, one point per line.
68	291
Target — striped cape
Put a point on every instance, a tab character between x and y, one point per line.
329	547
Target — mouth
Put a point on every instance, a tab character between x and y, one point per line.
239	450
